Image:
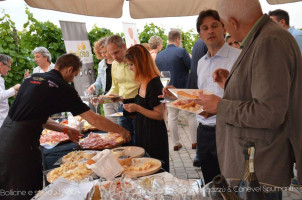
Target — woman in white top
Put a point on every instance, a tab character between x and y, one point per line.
104	79
155	43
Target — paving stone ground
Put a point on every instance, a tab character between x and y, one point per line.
181	162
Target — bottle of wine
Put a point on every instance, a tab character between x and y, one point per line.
221	186
249	187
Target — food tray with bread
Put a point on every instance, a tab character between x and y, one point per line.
76	156
73	171
132	151
96	141
184	93
186	105
141	167
187	93
88	127
85	127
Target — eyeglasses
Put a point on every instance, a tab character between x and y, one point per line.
9	66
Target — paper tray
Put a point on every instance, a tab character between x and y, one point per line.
109	97
177	104
174	91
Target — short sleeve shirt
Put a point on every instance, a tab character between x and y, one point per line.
44	94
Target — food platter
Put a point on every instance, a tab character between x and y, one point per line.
96	141
88	127
50	139
142	167
78	156
186	105
132	151
71	171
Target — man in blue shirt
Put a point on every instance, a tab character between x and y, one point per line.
220	55
281	17
177	60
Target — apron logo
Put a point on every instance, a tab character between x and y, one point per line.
52	84
35	82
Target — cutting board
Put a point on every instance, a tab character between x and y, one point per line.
137	162
133	151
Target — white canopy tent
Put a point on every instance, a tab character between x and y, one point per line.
138	8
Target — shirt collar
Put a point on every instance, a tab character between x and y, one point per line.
122	64
250	32
291	29
222	52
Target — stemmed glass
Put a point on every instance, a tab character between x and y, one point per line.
165	77
95	102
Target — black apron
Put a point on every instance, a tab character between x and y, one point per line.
21	171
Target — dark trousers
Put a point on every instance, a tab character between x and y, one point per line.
127	123
206	143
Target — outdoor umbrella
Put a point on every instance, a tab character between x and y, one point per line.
138	8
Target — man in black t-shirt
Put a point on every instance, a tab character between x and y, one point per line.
40	96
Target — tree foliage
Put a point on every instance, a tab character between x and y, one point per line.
150	30
188	40
10	46
45	34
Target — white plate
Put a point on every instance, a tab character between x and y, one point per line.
109	97
174	91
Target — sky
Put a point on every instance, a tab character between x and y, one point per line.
16	9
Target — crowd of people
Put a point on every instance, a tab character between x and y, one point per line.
250	62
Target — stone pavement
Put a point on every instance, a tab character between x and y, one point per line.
181	162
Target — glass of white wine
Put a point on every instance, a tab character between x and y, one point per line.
165	77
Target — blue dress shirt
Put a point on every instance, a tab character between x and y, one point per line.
297	35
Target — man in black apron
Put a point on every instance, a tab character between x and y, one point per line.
40	96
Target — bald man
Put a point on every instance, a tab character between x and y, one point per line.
262	101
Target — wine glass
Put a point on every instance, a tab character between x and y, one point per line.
165	77
95	102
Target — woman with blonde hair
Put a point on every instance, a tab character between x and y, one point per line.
104	80
150	128
156	44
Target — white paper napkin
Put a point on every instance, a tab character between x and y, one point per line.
106	165
64	189
74	123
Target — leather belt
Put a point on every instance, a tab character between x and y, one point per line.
211	128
